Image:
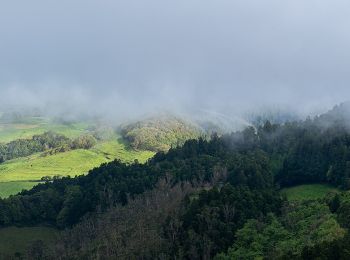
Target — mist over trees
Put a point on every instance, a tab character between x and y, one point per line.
204	199
251	82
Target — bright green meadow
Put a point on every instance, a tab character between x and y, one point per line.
39	125
24	173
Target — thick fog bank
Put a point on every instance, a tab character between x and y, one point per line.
123	59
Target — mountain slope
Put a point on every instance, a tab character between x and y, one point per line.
159	133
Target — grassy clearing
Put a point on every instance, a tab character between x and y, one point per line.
13	187
34	167
75	162
18	174
16	240
39	125
308	191
118	149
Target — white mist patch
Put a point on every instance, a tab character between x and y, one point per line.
214	121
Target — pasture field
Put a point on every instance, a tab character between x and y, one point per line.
21	173
14	240
74	162
26	172
39	125
308	191
13	187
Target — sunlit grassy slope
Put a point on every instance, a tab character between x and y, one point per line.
38	125
13	187
72	163
308	191
20	173
16	240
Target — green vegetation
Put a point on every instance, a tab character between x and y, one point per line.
75	162
118	149
208	198
301	225
48	142
308	191
209	222
35	147
13	187
159	133
39	125
249	184
14	240
34	167
25	172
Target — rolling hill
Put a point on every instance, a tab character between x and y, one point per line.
25	172
135	140
159	133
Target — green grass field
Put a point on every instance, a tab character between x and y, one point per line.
39	125
308	191
13	187
20	173
16	240
24	173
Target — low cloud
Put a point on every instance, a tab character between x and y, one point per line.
126	58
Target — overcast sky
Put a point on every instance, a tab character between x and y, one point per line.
131	56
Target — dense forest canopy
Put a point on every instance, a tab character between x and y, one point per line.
230	198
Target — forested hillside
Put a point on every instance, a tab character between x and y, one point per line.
159	133
219	198
174	130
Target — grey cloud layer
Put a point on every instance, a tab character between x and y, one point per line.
142	55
